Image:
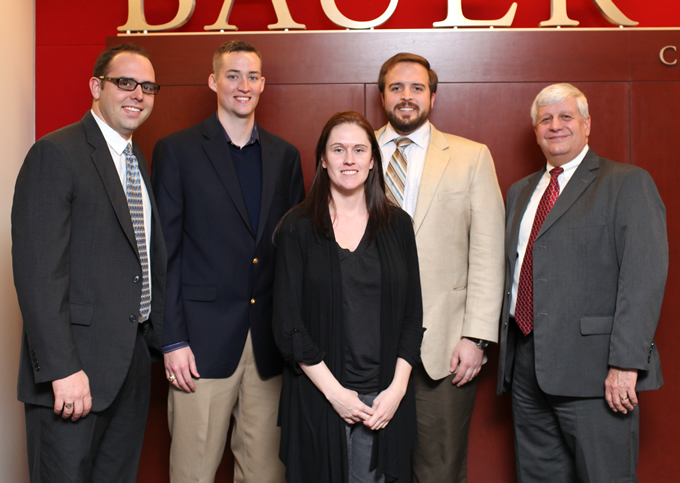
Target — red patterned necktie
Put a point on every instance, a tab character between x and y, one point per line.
524	308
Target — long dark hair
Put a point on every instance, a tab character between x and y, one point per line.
315	206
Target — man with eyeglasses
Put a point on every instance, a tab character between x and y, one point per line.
89	270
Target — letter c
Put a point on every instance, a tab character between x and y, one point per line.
663	51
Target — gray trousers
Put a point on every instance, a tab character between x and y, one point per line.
567	439
360	448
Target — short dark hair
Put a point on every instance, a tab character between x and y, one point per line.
101	66
233	46
406	57
315	205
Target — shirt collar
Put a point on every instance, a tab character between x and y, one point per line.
254	137
571	166
117	142
419	136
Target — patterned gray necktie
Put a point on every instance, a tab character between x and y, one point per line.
395	177
133	190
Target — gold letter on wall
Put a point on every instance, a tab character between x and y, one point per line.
663	51
612	13
455	17
559	17
334	15
283	18
136	21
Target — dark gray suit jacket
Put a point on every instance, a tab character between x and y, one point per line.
600	266
76	267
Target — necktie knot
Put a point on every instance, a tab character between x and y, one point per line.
403	142
555	172
128	150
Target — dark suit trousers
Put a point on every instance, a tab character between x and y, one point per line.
444	412
566	439
101	447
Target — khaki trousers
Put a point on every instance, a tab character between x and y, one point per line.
199	425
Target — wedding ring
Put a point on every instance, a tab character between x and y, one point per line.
624	399
172	378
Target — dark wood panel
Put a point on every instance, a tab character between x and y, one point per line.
498	55
654	148
298	113
488	81
645	64
175	108
497	114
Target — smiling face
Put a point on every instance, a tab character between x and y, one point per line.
347	159
407	98
123	111
238	84
561	131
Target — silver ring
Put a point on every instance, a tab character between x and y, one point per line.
172	378
68	405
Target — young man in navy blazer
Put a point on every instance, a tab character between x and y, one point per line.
222	186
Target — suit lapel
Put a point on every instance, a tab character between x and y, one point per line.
581	179
217	150
436	160
101	156
270	174
520	207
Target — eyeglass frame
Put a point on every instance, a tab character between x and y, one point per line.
116	80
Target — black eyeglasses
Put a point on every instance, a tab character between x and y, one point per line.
126	84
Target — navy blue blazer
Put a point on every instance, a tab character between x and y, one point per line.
220	268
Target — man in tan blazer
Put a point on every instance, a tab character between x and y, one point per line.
448	185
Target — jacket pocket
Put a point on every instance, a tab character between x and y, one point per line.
453	195
81	314
205	293
596	325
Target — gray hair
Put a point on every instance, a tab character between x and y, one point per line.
556	94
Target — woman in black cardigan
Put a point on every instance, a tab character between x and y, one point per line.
347	319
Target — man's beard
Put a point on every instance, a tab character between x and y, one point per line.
410	124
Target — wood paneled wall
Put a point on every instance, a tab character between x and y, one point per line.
488	80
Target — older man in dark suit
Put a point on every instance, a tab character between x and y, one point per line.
587	258
89	269
222	187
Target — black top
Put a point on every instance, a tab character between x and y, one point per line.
360	271
308	328
248	165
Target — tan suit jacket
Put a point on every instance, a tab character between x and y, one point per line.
459	225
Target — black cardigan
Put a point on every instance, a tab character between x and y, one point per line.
308	328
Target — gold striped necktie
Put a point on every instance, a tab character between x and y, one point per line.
396	172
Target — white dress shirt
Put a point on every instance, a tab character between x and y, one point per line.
117	145
530	213
415	155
